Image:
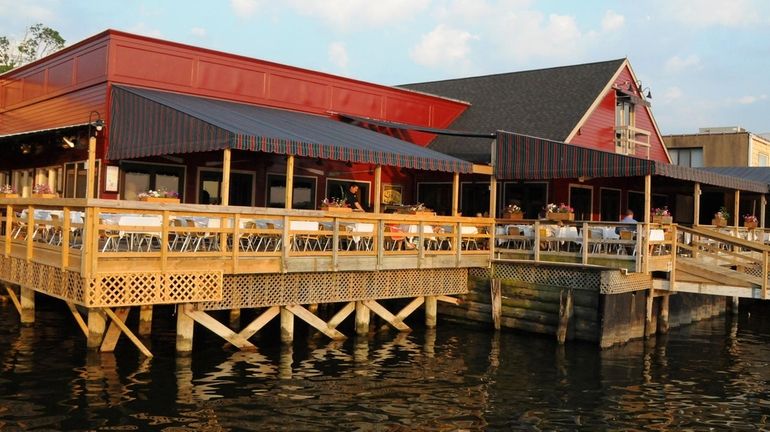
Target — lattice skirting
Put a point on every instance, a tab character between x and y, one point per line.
145	288
259	290
548	274
615	282
43	278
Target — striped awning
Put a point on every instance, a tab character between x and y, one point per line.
522	157
151	123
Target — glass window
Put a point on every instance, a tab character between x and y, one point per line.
762	159
134	184
140	177
337	189
241	188
303	194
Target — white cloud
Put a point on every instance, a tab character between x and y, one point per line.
41	11
530	34
199	32
363	14
612	21
748	100
245	8
678	64
672	94
338	55
707	13
443	46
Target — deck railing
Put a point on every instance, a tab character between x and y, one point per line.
106	235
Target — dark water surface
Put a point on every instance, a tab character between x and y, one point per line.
711	375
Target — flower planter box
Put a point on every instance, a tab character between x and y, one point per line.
665	220
44	195
513	216
9	195
418	212
720	222
750	225
556	216
160	200
337	209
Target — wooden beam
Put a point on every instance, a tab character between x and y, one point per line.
737	208
409	308
78	318
377	188
91	168
319	324
456	194
225	192
14	299
219	329
696	200
259	322
289	193
342	314
386	315
129	334
113	331
448	299
483	169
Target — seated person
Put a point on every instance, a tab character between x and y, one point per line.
628	217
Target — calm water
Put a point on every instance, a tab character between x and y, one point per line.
707	376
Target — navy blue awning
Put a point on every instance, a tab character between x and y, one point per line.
151	123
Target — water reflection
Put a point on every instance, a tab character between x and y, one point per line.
709	375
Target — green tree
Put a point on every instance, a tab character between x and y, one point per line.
38	42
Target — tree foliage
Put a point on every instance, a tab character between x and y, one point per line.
38	42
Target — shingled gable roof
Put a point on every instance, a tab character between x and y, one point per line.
546	103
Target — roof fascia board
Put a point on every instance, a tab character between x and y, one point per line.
595	103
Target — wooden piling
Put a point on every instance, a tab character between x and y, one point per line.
663	322
235	318
734	305
649	330
145	320
184	329
565	311
27	305
362	319
97	323
497	302
431	306
287	326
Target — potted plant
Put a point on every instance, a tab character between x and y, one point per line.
43	191
335	205
7	191
750	221
662	216
561	212
513	212
160	195
721	217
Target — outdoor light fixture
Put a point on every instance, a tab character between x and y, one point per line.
25	149
68	142
638	85
97	123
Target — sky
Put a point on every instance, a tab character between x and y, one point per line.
706	62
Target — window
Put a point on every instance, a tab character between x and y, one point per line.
762	159
139	177
625	136
531	197
437	196
75	176
689	157
303	191
336	188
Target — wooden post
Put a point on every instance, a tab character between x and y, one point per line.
145	320
648	329
90	174
8	229
764	275
647	219
235	318
362	319
674	248
287	326
497	302
185	326
377	188
456	194
97	323
585	243
737	209
696	205
289	187
225	192
565	311
663	323
27	302
536	242
762	205
431	306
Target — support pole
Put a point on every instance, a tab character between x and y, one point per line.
97	323
737	209
497	302
185	326
225	193
647	220
493	197
287	326
663	322
456	194
762	205
90	170
734	305
145	320
377	188
565	311
289	196
27	305
235	318
696	202
362	319
649	330
431	306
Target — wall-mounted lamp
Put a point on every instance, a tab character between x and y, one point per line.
68	142
638	86
25	148
96	123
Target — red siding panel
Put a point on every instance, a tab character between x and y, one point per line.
60	76
154	66
92	65
297	91
230	79
34	85
407	111
72	108
359	102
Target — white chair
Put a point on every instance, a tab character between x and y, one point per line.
362	242
304	240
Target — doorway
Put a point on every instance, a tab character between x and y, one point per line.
210	188
475	199
581	201
531	197
436	196
610	204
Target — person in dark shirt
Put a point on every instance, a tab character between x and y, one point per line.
351	198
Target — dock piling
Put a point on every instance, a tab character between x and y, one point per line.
184	329
362	319
145	320
27	305
287	326
431	305
97	324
